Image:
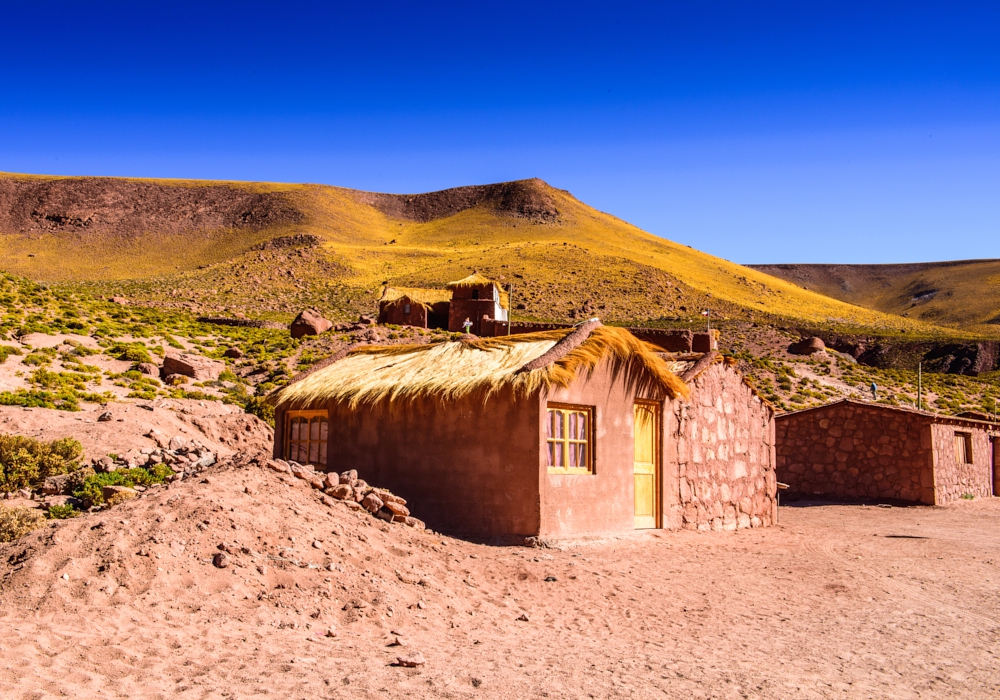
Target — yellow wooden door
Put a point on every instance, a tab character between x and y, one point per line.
645	465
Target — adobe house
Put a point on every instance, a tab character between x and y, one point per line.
472	298
855	449
410	306
566	433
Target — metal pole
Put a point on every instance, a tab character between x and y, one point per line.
510	307
920	385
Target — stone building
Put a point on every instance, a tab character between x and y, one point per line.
565	433
858	450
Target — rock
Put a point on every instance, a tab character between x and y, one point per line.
156	436
220	560
396	508
301	472
104	464
807	346
318	483
105	417
309	322
392	498
342	492
317	544
366	320
175	379
148	368
110	492
523	617
176	443
118	300
411	661
278	465
353	505
330	481
197	367
349	477
414	523
233	352
326	500
372	503
55	485
384	514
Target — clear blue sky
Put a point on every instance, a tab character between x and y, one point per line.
761	132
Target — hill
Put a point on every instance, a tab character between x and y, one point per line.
963	293
267	250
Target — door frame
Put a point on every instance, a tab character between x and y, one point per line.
657	407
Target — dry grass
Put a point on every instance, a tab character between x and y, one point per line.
451	370
424	297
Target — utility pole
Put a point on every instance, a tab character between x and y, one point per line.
510	307
920	385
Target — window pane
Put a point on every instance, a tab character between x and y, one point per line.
295	428
557	424
313	452
552	447
557	454
578	426
314	429
577	454
324	429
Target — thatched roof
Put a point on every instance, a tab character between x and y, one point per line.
424	297
451	370
478	280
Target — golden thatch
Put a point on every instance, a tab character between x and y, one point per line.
451	370
424	297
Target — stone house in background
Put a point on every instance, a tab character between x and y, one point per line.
473	298
854	449
560	434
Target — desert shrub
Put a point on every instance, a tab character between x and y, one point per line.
62	512
25	462
91	492
6	351
17	522
132	352
257	406
37	359
120	498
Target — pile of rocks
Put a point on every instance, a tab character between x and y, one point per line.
355	493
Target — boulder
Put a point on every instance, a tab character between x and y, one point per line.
342	492
55	485
372	503
175	379
197	367
176	443
148	368
807	346
105	417
349	477
397	509
233	352
309	322
110	492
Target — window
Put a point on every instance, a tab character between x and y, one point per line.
569	438
406	308
475	293
306	434
963	448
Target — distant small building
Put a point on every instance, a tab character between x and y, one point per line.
566	433
471	298
855	449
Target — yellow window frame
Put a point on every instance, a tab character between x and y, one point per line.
564	411
308	442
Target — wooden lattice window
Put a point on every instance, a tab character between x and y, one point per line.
306	436
963	448
569	437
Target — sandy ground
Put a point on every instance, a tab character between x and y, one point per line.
836	601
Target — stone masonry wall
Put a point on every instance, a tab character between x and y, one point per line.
856	451
722	445
952	479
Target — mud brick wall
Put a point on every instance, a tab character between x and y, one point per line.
954	479
856	451
721	445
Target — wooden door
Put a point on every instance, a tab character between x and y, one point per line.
646	465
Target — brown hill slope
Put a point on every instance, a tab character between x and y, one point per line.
962	293
197	244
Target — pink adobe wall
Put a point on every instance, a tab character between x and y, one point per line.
856	450
720	461
952	479
601	503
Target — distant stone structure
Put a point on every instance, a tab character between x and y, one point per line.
854	449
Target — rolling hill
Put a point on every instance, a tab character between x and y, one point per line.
964	293
266	250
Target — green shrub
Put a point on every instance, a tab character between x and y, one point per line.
6	351
257	406
62	512
132	352
17	522
25	462
91	492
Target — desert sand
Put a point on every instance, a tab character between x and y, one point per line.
835	601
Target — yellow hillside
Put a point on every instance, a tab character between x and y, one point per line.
194	243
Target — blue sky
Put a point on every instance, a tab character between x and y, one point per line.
759	132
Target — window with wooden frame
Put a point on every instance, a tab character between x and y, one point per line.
569	437
963	448
306	436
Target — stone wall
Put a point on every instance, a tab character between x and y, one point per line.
854	450
719	471
953	479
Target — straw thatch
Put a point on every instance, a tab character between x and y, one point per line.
424	297
451	370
